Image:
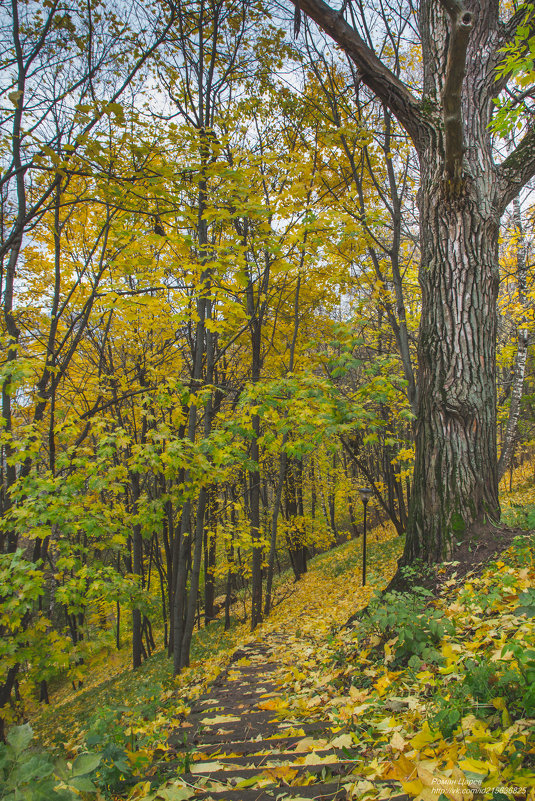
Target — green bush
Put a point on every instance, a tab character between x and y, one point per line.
27	774
482	684
107	736
413	624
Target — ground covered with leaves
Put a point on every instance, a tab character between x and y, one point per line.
423	694
437	693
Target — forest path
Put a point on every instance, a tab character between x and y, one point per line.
241	742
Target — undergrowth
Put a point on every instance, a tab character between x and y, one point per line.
438	693
429	689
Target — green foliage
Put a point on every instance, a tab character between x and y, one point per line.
27	774
408	624
418	573
487	689
520	515
518	64
107	735
526	602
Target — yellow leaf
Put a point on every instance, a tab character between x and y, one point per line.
207	767
309	744
424	737
425	776
426	794
283	772
220	719
314	759
357	695
476	766
412	788
269	705
343	741
381	684
402	769
139	790
397	742
358	789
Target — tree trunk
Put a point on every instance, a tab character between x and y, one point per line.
455	476
210	557
256	536
462	195
509	441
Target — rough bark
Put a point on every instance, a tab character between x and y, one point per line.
455	477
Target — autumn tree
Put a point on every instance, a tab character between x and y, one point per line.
464	190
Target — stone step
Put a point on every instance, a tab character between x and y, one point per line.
342	768
331	791
226	733
250	746
325	792
250	716
259	760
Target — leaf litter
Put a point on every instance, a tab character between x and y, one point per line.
432	698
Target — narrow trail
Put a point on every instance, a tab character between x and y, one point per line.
238	747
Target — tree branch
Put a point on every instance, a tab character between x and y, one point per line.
517	169
376	75
524	16
462	22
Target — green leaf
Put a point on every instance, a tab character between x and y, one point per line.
83	784
85	763
529	611
33	768
19	738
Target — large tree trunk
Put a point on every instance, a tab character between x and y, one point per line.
455	476
455	486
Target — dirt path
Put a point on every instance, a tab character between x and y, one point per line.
237	747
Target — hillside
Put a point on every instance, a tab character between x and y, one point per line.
422	695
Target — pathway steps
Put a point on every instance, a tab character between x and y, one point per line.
231	740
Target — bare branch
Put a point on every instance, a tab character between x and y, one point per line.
393	92
517	169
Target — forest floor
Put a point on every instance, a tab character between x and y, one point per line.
428	695
421	698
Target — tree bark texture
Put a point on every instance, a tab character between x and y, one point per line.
455	476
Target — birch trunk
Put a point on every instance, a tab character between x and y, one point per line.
509	442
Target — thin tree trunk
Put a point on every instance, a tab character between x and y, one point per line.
210	557
511	433
137	560
283	459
